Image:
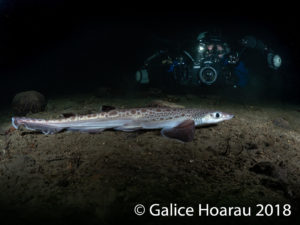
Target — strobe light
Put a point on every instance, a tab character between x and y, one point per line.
201	48
274	61
142	76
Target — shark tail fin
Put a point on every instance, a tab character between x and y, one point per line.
36	124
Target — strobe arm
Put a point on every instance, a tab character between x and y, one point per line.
142	75
155	55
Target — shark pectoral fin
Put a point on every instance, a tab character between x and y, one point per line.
184	131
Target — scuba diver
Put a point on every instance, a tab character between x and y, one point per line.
211	61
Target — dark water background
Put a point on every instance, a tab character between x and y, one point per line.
63	47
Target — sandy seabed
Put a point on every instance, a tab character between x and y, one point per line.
70	178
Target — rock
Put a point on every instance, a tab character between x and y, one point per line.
68	115
251	146
106	108
270	169
274	184
28	101
281	122
265	168
161	103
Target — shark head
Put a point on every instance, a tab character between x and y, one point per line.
215	117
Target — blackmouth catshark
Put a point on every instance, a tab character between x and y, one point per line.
174	122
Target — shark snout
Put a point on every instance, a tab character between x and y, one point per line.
227	116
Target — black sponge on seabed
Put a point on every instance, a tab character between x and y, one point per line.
28	101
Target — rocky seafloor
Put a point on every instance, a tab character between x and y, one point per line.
85	178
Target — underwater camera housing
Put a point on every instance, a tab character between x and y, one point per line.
205	72
212	62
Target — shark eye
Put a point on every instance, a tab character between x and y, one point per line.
217	115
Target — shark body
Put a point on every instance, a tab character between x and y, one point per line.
175	122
